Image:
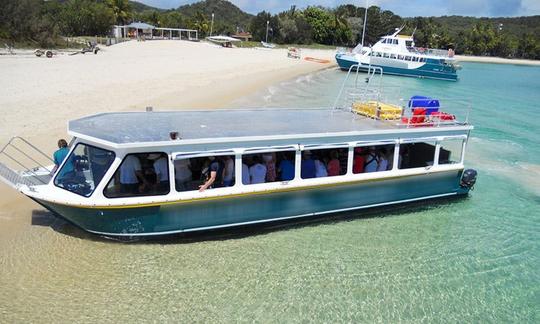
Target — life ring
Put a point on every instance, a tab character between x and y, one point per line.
316	60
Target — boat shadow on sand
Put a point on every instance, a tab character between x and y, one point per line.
49	219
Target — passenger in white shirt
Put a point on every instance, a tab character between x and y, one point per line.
131	174
182	174
161	168
257	172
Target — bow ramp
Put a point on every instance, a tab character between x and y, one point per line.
23	164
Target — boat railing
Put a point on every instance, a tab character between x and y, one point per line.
22	163
428	51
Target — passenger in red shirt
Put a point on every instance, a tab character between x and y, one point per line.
333	165
359	160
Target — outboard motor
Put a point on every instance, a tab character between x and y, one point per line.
468	179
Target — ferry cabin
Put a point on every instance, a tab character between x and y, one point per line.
95	190
397	55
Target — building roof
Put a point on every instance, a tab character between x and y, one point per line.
140	25
212	125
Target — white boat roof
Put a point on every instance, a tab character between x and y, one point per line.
211	125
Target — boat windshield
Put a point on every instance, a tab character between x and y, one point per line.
83	169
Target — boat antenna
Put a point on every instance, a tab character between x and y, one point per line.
414	31
365	21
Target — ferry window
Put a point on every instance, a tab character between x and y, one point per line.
393	56
84	169
451	151
384	41
140	174
190	174
378	54
324	163
373	158
268	167
407	58
416	155
395	41
408	43
400	57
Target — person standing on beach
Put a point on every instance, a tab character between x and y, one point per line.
60	155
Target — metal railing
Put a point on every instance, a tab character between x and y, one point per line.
23	163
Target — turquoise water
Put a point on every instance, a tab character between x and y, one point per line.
469	260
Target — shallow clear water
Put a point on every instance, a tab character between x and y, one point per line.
468	260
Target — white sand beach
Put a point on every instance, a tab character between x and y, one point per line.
40	95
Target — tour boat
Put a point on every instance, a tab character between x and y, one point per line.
139	173
396	54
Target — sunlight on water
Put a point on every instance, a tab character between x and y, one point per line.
468	260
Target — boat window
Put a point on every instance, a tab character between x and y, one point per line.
416	155
451	151
192	173
393	56
386	55
384	41
395	41
373	158
84	169
421	59
409	43
268	167
140	174
407	58
400	57
324	163
378	54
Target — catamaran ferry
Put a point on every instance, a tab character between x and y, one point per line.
156	173
396	54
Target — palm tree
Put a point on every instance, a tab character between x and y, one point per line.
121	9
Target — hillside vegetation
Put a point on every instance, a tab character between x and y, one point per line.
42	22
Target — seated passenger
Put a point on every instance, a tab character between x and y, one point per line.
359	160
320	168
210	173
286	168
383	161
333	165
270	163
161	168
182	174
245	174
371	161
131	175
228	171
257	172
307	169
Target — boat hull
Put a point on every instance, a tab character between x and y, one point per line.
196	215
429	70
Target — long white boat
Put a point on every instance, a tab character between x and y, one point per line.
396	54
140	173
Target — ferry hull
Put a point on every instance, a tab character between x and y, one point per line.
428	70
185	216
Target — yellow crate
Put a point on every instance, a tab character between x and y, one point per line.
378	110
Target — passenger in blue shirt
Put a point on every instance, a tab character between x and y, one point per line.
308	169
59	156
286	169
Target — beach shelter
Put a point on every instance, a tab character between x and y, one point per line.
135	29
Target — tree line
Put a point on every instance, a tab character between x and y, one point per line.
42	22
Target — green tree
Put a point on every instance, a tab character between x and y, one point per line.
122	10
321	23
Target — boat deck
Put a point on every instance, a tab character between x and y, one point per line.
140	127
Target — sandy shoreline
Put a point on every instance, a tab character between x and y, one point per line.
41	95
496	60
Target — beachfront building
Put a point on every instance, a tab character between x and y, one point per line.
147	31
245	36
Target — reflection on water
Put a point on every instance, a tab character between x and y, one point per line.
466	260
